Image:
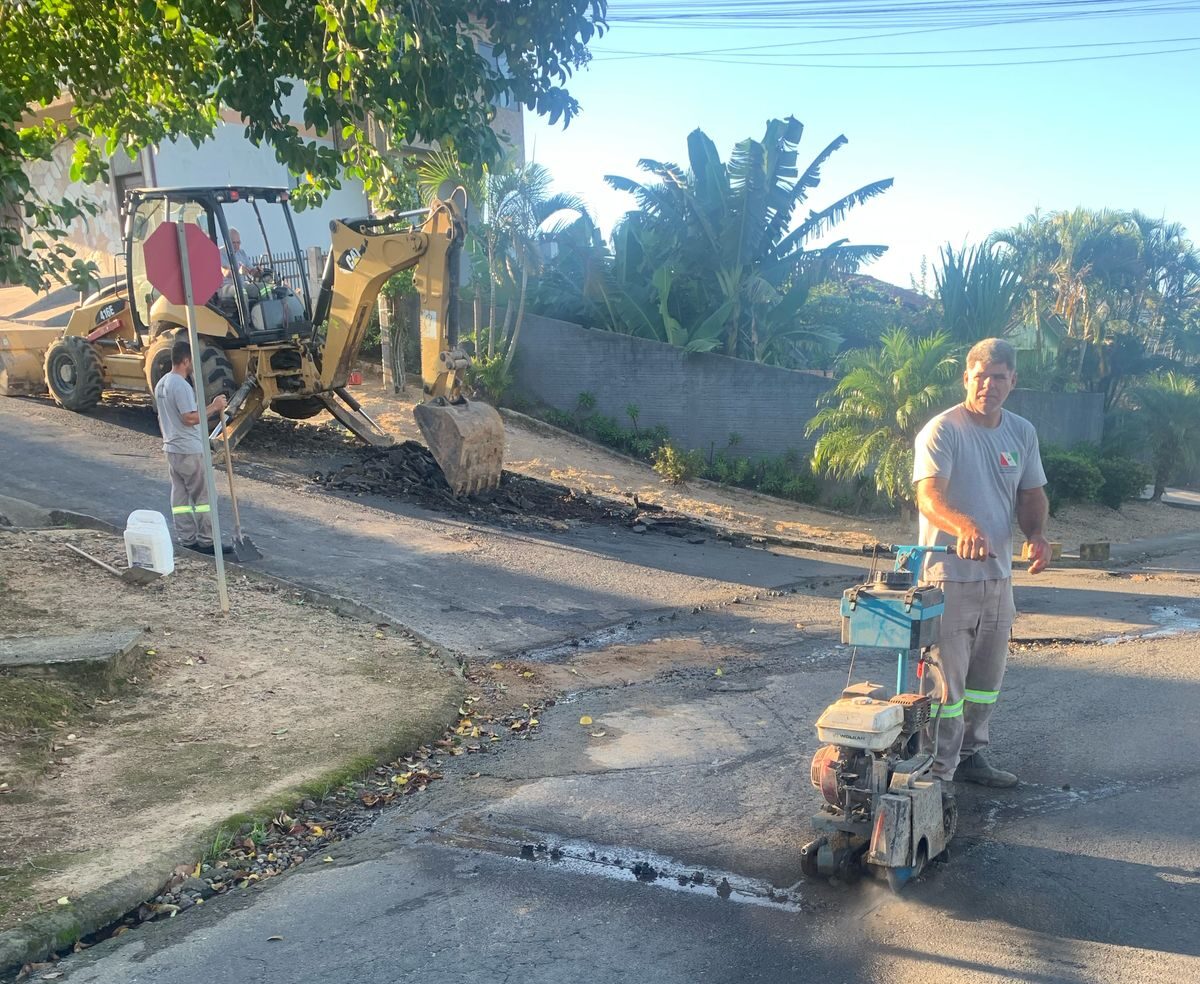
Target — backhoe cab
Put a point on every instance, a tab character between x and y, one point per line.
264	340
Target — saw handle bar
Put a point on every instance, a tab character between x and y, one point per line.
893	548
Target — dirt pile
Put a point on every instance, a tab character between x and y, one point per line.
408	471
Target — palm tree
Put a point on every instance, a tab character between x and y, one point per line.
516	211
527	216
872	417
1118	284
724	235
1166	412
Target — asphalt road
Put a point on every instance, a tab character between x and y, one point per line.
1087	872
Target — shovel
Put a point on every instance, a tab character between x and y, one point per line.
131	575
243	547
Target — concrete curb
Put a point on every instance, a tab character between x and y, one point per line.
50	932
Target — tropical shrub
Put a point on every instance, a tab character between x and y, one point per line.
1125	479
1071	476
490	377
1166	413
870	420
675	466
979	291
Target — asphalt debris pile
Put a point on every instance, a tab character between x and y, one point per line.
408	471
277	435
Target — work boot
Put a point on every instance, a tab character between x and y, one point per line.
975	768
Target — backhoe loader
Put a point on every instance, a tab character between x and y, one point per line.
267	343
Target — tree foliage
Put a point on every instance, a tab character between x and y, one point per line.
1104	296
140	72
1166	412
870	420
713	259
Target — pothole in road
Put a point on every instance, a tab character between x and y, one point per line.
582	858
602	639
1171	620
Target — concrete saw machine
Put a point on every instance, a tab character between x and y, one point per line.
884	810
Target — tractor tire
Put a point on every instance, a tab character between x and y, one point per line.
299	409
158	355
216	367
74	373
217	371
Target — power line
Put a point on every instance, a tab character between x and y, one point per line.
807	13
929	16
721	53
718	60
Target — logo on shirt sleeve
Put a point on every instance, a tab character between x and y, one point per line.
1009	459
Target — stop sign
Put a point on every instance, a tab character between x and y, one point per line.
165	272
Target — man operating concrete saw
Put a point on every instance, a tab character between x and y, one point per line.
974	465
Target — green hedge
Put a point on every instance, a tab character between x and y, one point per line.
1086	474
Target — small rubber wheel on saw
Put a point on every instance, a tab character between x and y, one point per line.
310	406
74	373
809	867
950	820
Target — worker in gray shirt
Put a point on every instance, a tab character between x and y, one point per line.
974	466
182	434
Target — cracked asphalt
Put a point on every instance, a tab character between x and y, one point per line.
1086	872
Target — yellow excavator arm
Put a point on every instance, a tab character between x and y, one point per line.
466	438
364	253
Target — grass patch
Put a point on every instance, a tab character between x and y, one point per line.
32	706
16	881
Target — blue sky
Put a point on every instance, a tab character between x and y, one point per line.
971	149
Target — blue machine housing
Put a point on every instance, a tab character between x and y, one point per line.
898	618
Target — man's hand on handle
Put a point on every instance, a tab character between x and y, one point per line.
972	544
219	402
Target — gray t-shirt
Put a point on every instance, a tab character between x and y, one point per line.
174	396
985	468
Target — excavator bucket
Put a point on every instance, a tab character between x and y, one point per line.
467	441
22	353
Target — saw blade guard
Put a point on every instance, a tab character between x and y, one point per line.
467	441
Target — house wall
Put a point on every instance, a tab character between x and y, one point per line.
230	159
702	398
96	238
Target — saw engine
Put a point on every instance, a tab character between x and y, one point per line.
883	808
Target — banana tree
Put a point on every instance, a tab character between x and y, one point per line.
726	230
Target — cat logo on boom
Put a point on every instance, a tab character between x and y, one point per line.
350	259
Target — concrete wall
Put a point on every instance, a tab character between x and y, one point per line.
1061	419
702	398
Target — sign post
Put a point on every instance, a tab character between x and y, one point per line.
177	272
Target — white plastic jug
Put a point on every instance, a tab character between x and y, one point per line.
148	541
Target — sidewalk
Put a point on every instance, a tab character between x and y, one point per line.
109	785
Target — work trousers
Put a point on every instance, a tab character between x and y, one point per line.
972	652
189	499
